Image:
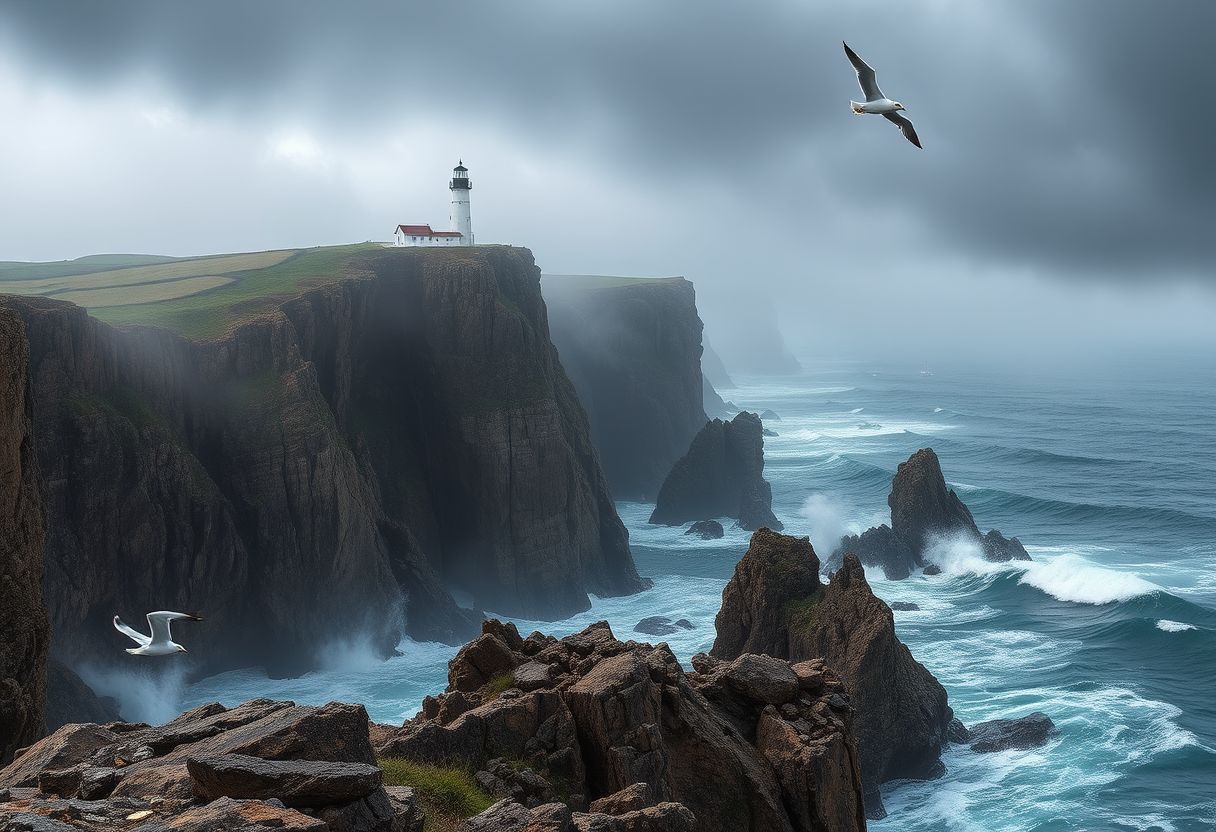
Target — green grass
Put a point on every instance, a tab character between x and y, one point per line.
800	614
211	313
492	689
448	793
17	270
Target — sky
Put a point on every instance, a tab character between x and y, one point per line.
1064	204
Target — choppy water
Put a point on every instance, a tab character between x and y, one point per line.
1109	480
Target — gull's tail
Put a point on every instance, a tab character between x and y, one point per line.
857	108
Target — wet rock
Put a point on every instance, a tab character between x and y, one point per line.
957	732
879	547
722	475
1030	731
904	606
656	625
998	548
706	529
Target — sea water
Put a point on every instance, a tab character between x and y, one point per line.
1108	478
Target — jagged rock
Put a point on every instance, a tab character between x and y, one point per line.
904	606
722	475
999	548
377	812
628	799
769	416
69	699
769	432
227	815
633	351
533	675
619	713
957	732
504	816
70	745
23	618
479	662
774	604
706	529
931	569
665	817
407	810
881	547
298	783
1030	731
777	571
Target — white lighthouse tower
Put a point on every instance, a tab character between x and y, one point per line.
459	216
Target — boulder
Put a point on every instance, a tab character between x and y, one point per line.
298	783
879	547
999	548
69	746
228	815
628	799
761	679
706	529
665	817
722	475
904	606
479	662
661	625
1030	731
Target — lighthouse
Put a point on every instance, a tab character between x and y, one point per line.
459	217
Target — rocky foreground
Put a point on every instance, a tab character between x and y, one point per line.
619	729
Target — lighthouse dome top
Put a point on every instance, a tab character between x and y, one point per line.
460	166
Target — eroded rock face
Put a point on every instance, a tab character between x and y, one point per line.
1030	731
324	467
23	619
722	475
210	770
923	511
775	605
706	530
745	745
69	699
633	350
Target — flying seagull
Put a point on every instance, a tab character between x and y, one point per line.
161	642
876	102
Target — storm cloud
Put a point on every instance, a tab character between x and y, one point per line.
1064	142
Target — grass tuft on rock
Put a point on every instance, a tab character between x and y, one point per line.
448	793
492	689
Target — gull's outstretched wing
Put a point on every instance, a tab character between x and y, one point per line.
135	636
905	127
158	624
865	75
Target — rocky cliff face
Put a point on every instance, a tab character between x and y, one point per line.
328	468
633	350
722	475
748	745
775	605
923	509
23	619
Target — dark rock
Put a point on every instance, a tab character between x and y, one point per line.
684	624
998	548
957	732
921	504
480	661
769	416
633	351
407	809
879	547
69	699
722	475
761	678
656	625
228	815
628	799
931	569
665	817
377	812
69	746
1029	731
298	783
904	606
775	605
23	618
533	676
769	432
706	529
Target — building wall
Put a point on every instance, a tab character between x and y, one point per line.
459	215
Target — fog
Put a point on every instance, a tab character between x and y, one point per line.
1060	211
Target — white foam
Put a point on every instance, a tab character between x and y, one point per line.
1074	579
937	410
1174	626
857	410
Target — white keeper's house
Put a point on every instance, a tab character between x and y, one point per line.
460	222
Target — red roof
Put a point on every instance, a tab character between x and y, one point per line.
426	231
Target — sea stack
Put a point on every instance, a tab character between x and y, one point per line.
775	604
722	475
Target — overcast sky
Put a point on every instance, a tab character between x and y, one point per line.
1065	200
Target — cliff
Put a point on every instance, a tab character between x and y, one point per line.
328	467
632	347
23	619
721	475
750	745
775	604
923	509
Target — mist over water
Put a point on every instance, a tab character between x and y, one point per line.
1111	630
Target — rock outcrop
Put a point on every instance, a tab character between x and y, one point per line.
706	530
23	619
632	348
262	765
70	699
1030	731
722	475
923	510
775	605
744	745
329	466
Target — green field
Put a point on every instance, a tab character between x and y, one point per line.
198	297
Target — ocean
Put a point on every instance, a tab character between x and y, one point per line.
1108	478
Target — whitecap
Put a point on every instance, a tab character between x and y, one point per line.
857	410
937	410
1076	580
1174	626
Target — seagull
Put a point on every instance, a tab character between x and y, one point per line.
161	642
876	102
